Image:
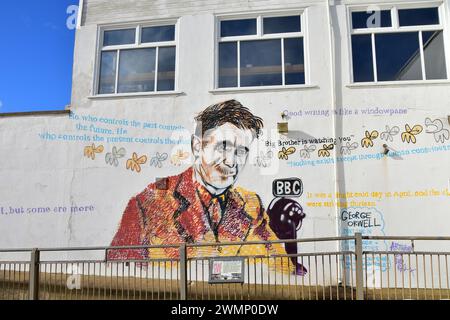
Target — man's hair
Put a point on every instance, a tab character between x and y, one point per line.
230	111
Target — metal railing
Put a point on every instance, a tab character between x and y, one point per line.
363	267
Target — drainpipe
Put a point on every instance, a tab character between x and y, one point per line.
80	13
333	115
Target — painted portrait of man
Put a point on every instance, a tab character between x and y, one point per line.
202	204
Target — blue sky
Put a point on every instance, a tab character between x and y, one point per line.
36	55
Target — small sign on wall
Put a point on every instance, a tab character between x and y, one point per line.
292	187
226	270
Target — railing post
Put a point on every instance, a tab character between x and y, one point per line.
183	272
359	267
34	275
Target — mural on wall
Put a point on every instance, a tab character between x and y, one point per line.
203	204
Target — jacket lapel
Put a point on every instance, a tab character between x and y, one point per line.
236	223
189	218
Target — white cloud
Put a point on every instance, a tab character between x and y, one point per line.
1	104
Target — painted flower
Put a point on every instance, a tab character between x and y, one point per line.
436	128
285	153
90	151
306	152
264	159
134	164
367	142
389	134
158	160
410	133
178	158
348	148
113	157
325	152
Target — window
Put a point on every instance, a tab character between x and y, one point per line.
261	51
398	44
138	59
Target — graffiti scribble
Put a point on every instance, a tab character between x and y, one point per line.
178	158
306	152
325	152
158	160
348	148
367	142
436	128
285	153
400	264
389	134
410	134
134	164
112	158
90	151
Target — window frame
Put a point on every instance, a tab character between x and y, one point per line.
136	45
259	16
396	28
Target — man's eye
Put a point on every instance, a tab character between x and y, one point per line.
224	147
241	152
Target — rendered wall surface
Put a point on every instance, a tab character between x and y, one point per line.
67	180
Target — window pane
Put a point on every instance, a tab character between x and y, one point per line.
377	19
166	69
362	58
228	65
137	70
398	56
118	37
434	53
238	28
156	34
107	82
294	61
416	17
282	24
261	63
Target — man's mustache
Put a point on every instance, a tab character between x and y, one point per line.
226	171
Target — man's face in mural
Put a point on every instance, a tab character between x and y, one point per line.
220	155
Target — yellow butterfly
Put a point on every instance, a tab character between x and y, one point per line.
410	134
325	152
179	157
135	162
368	140
285	153
90	151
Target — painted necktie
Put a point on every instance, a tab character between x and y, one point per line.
215	214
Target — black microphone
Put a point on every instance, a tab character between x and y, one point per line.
286	218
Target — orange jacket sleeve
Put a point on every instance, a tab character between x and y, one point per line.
129	234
